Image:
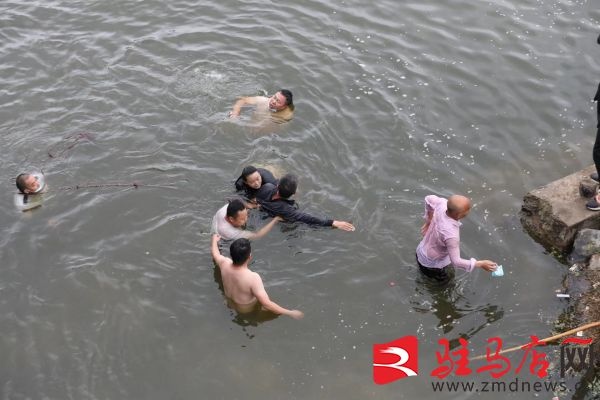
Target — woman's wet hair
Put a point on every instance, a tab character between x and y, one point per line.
240	251
247	171
234	207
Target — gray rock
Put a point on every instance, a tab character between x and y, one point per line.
594	263
587	242
554	213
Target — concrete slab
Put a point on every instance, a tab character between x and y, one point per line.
554	213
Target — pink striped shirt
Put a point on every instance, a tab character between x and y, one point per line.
441	244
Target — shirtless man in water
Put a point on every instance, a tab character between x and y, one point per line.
280	106
243	287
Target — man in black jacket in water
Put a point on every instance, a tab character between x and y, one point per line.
276	201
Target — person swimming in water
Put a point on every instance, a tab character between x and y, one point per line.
243	287
275	200
31	186
30	183
252	179
279	107
230	220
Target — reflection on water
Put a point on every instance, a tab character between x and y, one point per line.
448	304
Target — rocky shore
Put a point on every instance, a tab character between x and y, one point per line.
556	217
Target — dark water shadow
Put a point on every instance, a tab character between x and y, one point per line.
444	298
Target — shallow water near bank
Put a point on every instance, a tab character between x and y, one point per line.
111	293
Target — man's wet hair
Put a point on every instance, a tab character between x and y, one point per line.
289	98
20	181
234	207
240	251
249	170
287	185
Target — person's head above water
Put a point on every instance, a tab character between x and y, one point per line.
28	183
287	186
281	100
237	214
240	251
251	177
458	206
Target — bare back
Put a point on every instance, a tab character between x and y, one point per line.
238	282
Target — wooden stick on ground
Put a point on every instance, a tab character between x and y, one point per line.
546	340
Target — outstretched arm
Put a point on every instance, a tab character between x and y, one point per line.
343	225
453	247
265	229
486	265
244	101
263	298
214	250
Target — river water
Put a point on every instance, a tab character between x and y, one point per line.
110	293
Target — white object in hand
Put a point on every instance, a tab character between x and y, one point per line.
499	271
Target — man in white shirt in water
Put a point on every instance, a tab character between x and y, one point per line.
231	218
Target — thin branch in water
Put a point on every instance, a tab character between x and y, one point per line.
134	185
67	143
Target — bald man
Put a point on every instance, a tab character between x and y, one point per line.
440	245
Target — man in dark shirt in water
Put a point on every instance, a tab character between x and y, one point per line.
276	201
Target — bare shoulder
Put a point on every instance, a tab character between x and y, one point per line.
287	114
255	276
254	279
224	263
254	99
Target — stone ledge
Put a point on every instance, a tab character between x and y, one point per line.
553	214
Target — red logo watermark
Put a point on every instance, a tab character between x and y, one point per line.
399	359
395	360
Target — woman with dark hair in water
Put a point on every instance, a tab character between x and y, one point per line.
252	179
